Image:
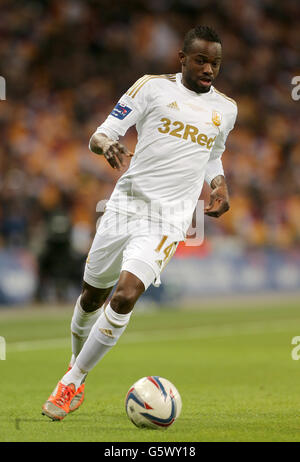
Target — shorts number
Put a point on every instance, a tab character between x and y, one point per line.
168	251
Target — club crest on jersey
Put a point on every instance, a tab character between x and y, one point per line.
216	118
120	111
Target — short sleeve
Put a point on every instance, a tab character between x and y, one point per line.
219	145
131	107
214	168
214	165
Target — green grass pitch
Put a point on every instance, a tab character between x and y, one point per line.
231	362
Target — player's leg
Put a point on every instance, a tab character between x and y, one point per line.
101	273
102	270
66	397
142	263
143	259
103	336
109	327
87	309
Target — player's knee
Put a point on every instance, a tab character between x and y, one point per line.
91	301
124	300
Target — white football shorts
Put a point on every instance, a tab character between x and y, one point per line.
127	243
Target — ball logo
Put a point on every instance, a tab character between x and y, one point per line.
216	118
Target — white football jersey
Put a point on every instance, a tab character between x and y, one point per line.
181	138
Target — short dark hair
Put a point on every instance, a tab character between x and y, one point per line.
200	32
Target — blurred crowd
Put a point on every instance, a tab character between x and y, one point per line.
66	63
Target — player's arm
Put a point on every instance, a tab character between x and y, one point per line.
112	150
125	114
214	175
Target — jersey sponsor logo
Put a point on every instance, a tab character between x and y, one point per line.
186	132
120	111
173	105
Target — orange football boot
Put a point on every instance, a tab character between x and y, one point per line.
58	404
78	397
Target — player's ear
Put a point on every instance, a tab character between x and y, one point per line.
182	57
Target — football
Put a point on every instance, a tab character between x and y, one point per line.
153	402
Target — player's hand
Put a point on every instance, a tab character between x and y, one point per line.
114	154
219	198
113	151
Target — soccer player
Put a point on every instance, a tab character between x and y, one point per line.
182	123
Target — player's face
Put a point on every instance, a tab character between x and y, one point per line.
201	65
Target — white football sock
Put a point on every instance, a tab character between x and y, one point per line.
81	324
103	336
